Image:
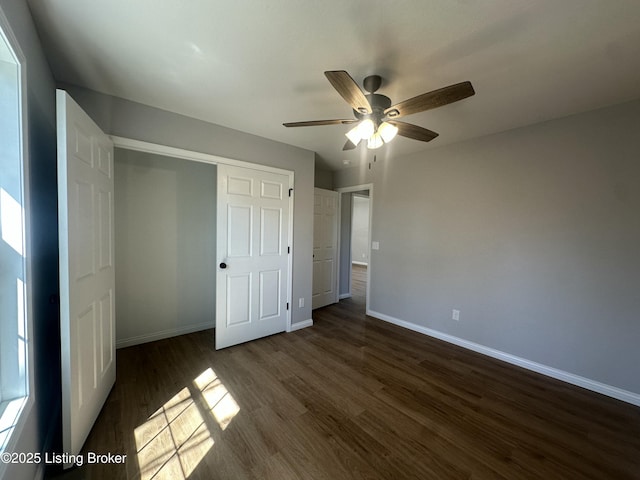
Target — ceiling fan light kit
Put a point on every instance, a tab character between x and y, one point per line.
376	117
374	141
387	131
375	137
362	131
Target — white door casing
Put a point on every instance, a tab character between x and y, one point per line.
325	248
87	276
253	254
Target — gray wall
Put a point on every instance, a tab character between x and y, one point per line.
42	420
360	230
532	234
323	178
165	242
123	118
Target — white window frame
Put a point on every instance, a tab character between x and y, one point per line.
15	412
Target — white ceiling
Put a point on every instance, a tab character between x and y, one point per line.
252	65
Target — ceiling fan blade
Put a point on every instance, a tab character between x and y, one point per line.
349	90
433	99
415	132
349	145
313	123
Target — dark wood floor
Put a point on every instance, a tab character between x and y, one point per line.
352	398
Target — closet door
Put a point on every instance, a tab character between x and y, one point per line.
253	254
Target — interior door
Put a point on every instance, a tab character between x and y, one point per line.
87	279
253	254
325	248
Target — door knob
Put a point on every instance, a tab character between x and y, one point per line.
223	265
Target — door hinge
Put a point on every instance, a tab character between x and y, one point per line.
288	249
290	191
287	305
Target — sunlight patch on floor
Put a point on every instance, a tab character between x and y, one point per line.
221	403
176	437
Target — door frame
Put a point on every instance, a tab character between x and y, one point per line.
356	188
179	153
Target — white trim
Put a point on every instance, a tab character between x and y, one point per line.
345	295
156	148
301	325
339	249
7	33
290	255
162	334
614	392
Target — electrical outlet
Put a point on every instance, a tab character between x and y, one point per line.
301	302
455	315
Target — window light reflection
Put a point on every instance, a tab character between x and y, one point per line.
177	436
221	403
11	215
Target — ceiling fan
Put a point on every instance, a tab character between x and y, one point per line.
376	118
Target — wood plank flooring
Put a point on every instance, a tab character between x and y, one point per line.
358	284
352	398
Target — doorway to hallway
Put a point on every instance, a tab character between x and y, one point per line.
355	245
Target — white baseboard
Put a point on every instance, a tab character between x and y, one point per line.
614	392
162	334
344	295
301	325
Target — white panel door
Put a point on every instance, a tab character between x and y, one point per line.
253	254
87	278
325	248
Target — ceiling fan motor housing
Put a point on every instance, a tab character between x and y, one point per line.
372	83
379	103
